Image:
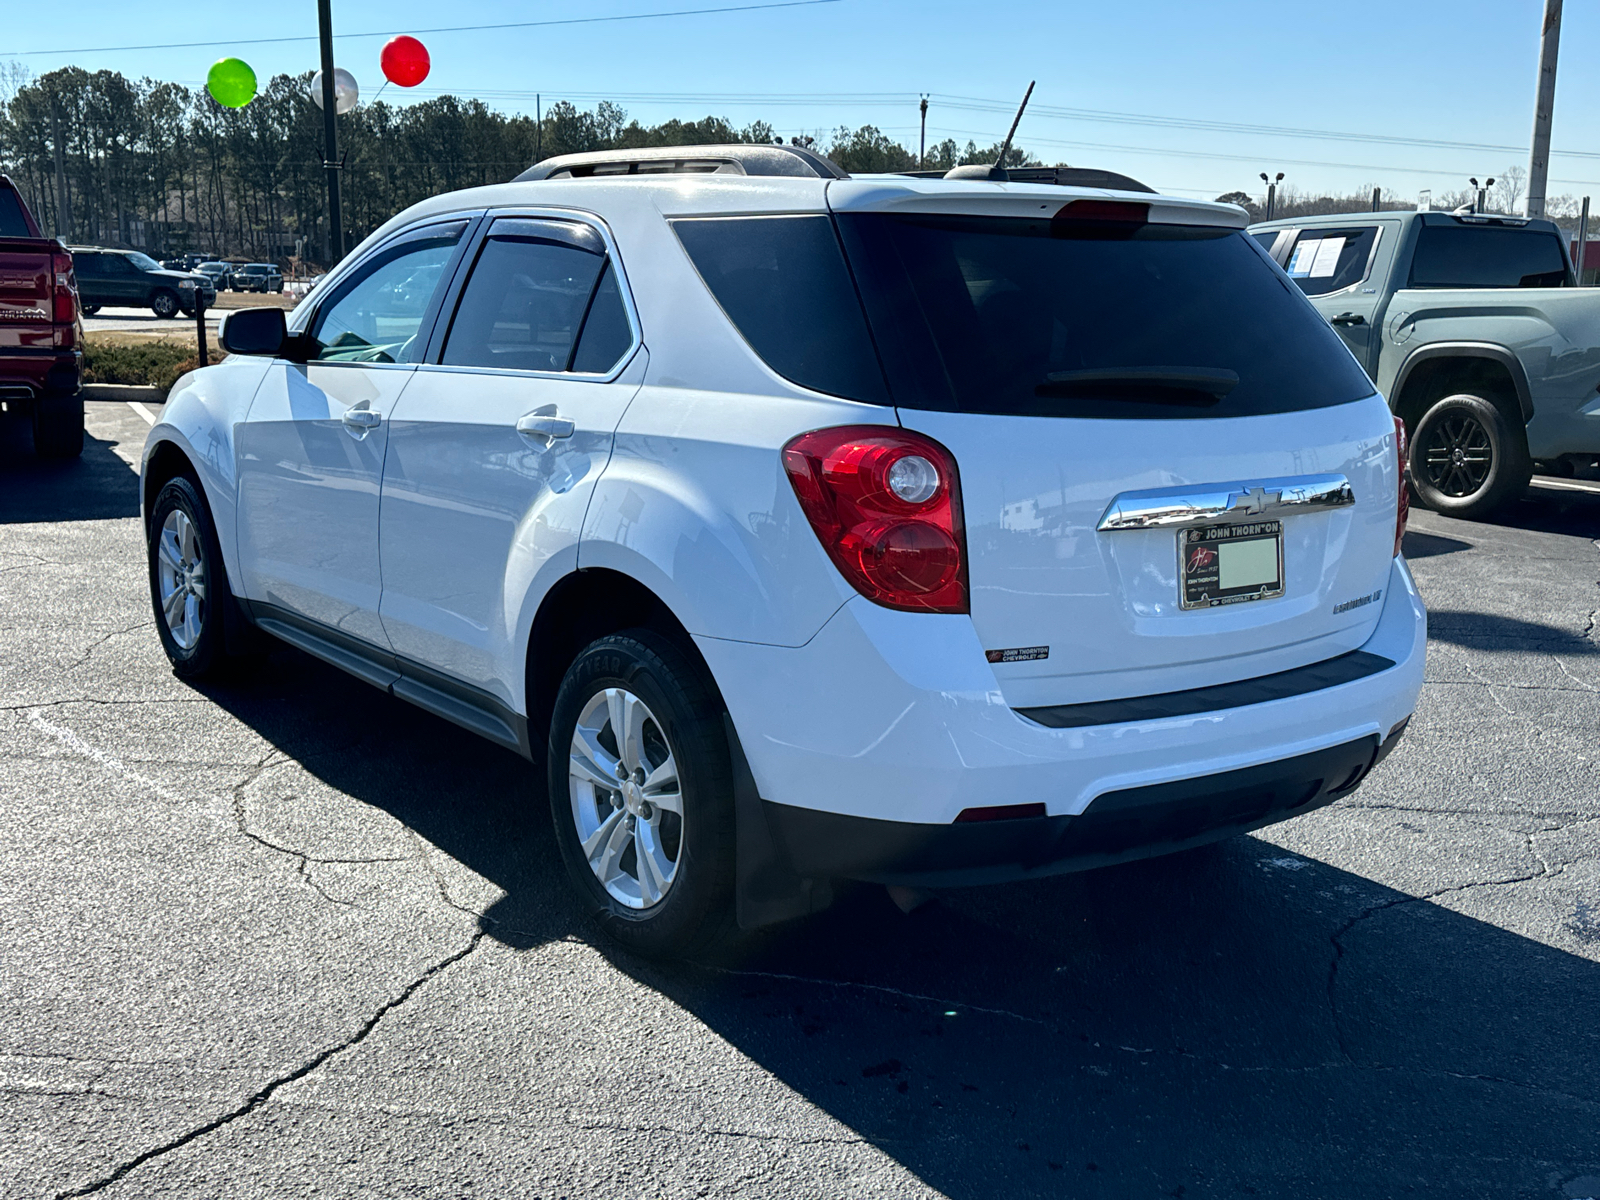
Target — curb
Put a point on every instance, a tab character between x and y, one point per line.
124	391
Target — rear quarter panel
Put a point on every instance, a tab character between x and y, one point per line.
1554	333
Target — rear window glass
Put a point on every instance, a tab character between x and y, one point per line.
1029	316
1478	256
784	285
1330	260
12	222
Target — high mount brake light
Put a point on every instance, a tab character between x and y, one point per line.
886	505
1403	505
1120	211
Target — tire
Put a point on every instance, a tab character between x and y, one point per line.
1467	458
196	640
164	304
681	900
58	426
89	310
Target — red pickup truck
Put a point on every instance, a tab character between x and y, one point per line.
41	333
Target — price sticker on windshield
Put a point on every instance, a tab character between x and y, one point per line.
1230	564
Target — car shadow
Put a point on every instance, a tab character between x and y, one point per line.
1430	545
1552	508
95	486
1233	1021
1490	631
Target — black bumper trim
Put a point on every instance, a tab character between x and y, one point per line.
1346	668
1116	827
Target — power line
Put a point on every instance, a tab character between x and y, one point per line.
685	12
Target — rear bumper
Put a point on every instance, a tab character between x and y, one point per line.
1116	827
26	374
868	742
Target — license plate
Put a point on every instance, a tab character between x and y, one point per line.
1229	564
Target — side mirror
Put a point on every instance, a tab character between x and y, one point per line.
253	331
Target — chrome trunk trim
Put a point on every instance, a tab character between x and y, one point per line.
1172	508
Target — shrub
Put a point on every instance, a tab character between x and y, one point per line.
153	362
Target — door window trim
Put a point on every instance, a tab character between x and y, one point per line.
462	273
430	315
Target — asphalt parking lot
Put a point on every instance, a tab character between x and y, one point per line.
291	936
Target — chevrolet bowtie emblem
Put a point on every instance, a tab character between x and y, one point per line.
1257	500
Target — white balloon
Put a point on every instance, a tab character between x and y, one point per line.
345	92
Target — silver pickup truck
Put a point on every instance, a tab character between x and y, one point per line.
1474	329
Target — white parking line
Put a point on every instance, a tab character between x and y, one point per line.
149	417
1592	488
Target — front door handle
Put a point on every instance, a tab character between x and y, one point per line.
361	419
1349	319
546	427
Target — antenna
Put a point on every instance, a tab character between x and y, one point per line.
1005	147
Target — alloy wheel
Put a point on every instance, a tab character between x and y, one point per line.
626	803
181	577
1458	455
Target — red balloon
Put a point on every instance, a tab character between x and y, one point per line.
405	61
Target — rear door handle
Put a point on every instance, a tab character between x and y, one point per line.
546	427
1349	319
361	419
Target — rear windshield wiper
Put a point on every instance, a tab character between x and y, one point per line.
1183	385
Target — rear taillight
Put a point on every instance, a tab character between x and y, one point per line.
886	505
1403	505
64	289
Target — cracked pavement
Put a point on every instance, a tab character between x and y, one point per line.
290	936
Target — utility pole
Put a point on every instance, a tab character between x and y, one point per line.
63	213
1377	199
538	128
1583	239
922	143
330	135
1544	107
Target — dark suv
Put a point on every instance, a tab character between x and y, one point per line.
128	279
256	277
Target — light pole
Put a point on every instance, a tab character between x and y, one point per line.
1483	192
1272	192
922	144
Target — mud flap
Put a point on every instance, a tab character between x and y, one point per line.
766	888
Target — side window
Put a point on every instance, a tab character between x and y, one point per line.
783	283
376	313
1330	260
542	296
1267	239
606	335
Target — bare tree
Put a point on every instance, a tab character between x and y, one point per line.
1508	188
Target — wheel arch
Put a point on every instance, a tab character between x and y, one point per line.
582	606
1433	372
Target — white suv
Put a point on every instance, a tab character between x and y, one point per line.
810	527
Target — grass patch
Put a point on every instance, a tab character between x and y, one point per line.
152	362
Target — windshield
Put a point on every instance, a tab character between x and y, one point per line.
1090	318
143	261
255	269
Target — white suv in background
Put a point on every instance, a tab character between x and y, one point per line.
809	527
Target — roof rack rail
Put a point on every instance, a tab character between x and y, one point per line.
793	161
1086	177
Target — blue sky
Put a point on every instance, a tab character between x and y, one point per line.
1462	72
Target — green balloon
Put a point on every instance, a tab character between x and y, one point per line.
231	82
